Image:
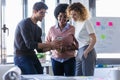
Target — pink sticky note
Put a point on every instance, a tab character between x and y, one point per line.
98	24
110	24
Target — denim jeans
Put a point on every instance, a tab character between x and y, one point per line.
66	68
28	64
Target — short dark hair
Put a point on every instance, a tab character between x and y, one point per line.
61	8
39	5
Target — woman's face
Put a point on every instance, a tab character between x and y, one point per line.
62	18
74	15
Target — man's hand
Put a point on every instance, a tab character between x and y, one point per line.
56	44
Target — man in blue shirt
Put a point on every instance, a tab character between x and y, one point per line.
28	38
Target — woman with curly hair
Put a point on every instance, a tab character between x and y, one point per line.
85	35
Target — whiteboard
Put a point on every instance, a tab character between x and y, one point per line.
108	34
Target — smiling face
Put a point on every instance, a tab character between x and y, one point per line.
62	19
40	14
74	15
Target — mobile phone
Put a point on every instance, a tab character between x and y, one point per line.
59	38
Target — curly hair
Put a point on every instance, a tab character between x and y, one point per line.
80	9
61	8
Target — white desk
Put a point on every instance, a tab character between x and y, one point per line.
48	77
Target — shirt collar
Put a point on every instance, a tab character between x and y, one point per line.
67	26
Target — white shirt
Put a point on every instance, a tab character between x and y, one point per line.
82	31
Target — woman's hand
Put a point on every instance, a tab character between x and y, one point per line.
85	54
56	44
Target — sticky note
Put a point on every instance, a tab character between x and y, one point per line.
98	24
103	36
110	24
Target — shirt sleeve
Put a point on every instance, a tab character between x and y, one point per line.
39	33
89	27
49	38
28	35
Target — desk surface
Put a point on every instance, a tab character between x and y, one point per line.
48	77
